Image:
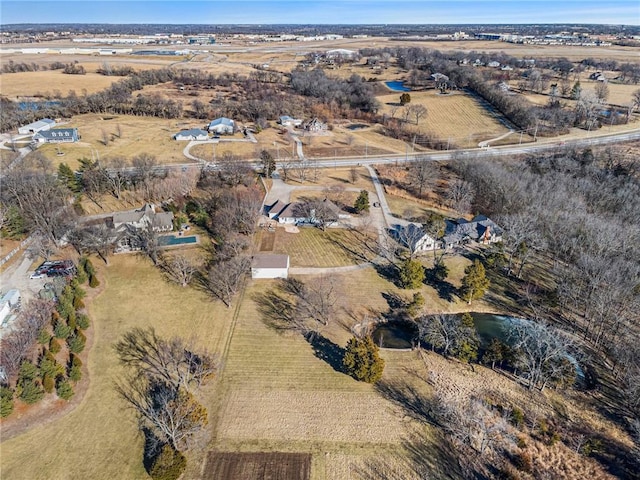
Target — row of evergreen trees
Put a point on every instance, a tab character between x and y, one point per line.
57	366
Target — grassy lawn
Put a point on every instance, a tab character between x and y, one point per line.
100	439
23	84
312	247
139	135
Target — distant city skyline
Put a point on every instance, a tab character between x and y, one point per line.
625	12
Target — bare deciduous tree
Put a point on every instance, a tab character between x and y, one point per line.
460	195
224	279
179	269
422	174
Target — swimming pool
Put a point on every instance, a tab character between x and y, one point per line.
169	240
397	86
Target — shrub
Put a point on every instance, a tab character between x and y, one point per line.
54	346
77	342
6	401
362	361
81	275
78	304
517	417
62	330
168	465
591	446
48	383
64	389
87	266
93	281
51	368
82	321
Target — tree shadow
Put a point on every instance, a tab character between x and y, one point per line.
326	350
394	300
389	272
277	311
445	290
413	403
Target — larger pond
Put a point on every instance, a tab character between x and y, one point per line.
404	335
397	86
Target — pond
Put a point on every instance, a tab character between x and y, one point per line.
397	86
398	335
357	126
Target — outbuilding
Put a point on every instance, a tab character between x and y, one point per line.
270	266
35	127
222	125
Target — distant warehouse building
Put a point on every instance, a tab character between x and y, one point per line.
57	135
35	127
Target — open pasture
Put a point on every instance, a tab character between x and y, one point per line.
257	466
456	116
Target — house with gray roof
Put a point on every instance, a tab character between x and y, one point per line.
127	226
414	238
222	125
35	127
57	135
479	229
192	134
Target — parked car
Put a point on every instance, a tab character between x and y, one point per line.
36	275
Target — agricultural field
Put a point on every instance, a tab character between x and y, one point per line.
257	466
51	83
139	135
102	430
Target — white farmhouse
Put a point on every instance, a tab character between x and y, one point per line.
270	266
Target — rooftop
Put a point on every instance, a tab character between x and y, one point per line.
270	261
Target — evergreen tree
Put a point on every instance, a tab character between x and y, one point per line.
93	281
475	282
362	360
6	401
405	98
362	202
54	345
48	383
576	90
82	321
411	274
68	177
77	342
494	353
416	303
44	337
64	389
168	465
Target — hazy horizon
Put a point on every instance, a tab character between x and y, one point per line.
322	12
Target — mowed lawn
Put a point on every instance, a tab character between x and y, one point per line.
100	439
311	247
456	116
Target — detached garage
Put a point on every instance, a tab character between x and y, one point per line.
270	266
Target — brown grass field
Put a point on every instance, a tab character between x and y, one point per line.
139	135
46	83
257	466
457	116
100	439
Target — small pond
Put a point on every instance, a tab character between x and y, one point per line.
357	126
397	86
395	335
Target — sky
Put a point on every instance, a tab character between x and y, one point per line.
321	11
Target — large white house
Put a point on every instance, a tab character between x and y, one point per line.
193	134
222	125
270	266
35	127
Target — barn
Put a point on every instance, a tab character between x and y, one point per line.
270	266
